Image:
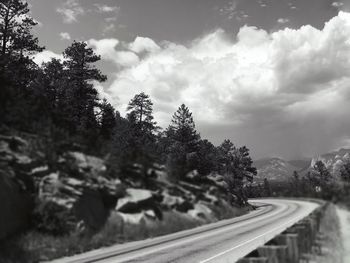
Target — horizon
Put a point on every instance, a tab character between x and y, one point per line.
228	61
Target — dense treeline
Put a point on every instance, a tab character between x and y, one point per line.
317	182
57	100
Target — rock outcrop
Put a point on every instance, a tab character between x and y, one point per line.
15	188
78	193
333	160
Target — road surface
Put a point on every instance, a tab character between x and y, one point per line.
224	241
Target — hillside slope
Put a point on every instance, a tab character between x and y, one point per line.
333	160
277	169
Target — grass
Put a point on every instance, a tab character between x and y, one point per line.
332	249
33	246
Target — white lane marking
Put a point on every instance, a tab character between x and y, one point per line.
255	238
227	223
283	208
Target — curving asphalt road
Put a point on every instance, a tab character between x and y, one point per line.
224	241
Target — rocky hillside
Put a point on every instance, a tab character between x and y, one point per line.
333	160
277	169
76	192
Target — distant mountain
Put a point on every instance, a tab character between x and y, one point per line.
303	164
333	160
277	169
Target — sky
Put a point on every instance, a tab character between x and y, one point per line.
273	75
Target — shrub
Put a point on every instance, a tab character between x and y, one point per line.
51	218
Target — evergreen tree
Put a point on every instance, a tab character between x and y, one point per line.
182	152
83	95
140	141
319	176
183	129
108	119
16	39
236	166
345	172
49	91
207	157
345	177
17	70
141	107
267	188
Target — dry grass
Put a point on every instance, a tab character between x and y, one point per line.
34	247
332	249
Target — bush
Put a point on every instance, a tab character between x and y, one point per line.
51	218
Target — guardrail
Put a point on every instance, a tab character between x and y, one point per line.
294	244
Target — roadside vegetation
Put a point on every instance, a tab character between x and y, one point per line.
329	241
52	117
35	246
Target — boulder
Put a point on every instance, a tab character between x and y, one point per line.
83	164
135	200
139	201
170	201
90	209
201	211
16	206
138	218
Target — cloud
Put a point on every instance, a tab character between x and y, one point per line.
102	94
111	19
70	11
46	56
283	93
262	3
292	6
108	28
282	20
337	4
229	10
107	49
65	36
106	8
143	44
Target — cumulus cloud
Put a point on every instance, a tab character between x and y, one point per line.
46	56
102	94
65	36
337	4
107	48
108	28
262	3
143	44
282	20
229	10
282	93
106	8
70	11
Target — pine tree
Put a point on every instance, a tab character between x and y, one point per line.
345	172
15	26
236	166
319	175
139	140
50	92
267	188
141	107
207	157
108	119
17	70
183	129
84	97
182	152
320	180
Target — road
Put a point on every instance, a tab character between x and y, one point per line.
224	241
